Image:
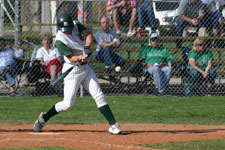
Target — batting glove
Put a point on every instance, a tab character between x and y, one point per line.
87	50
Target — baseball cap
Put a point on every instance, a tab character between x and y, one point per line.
154	35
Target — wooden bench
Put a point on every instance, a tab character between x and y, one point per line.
130	50
131	61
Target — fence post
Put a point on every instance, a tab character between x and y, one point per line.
16	22
1	18
82	21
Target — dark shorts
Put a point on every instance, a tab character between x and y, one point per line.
124	18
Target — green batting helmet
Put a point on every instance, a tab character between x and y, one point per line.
65	22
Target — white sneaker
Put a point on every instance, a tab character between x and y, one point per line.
131	33
39	123
115	129
118	32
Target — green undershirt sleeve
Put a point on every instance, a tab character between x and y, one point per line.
63	49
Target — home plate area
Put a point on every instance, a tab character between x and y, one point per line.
97	137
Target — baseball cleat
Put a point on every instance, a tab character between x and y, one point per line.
115	129
39	123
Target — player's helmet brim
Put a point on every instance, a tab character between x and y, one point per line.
66	29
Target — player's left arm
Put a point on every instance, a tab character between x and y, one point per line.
87	34
89	37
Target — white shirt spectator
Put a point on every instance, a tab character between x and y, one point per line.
43	53
213	5
9	54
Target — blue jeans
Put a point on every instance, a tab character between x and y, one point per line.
180	28
214	18
147	9
161	76
10	76
109	57
210	79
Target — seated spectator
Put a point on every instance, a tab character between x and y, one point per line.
191	12
144	9
107	40
200	64
8	65
49	57
157	61
123	10
214	16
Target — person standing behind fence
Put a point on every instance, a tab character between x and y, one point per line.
200	64
73	40
157	62
8	65
191	12
214	16
49	57
123	10
107	40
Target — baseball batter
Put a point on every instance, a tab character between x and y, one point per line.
73	40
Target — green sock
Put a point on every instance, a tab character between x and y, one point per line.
106	111
50	113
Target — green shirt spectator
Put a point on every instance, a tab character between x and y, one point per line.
157	62
200	65
155	55
200	59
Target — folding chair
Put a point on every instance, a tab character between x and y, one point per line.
21	69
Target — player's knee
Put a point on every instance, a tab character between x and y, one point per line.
67	106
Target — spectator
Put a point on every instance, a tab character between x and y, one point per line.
157	62
123	10
49	57
214	15
144	9
8	65
107	40
190	12
200	63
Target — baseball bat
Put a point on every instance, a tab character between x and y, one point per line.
60	78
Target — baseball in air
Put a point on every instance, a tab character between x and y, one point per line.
118	69
115	39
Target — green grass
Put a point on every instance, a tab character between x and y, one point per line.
172	110
127	109
38	148
190	145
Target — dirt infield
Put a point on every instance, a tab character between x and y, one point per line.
96	136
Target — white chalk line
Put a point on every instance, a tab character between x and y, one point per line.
64	139
44	133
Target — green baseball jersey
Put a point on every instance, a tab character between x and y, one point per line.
152	56
65	49
201	60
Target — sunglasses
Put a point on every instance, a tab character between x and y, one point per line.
154	39
200	45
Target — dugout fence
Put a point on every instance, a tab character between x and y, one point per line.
23	22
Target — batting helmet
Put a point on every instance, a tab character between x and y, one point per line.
65	22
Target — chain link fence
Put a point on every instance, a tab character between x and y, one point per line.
23	23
